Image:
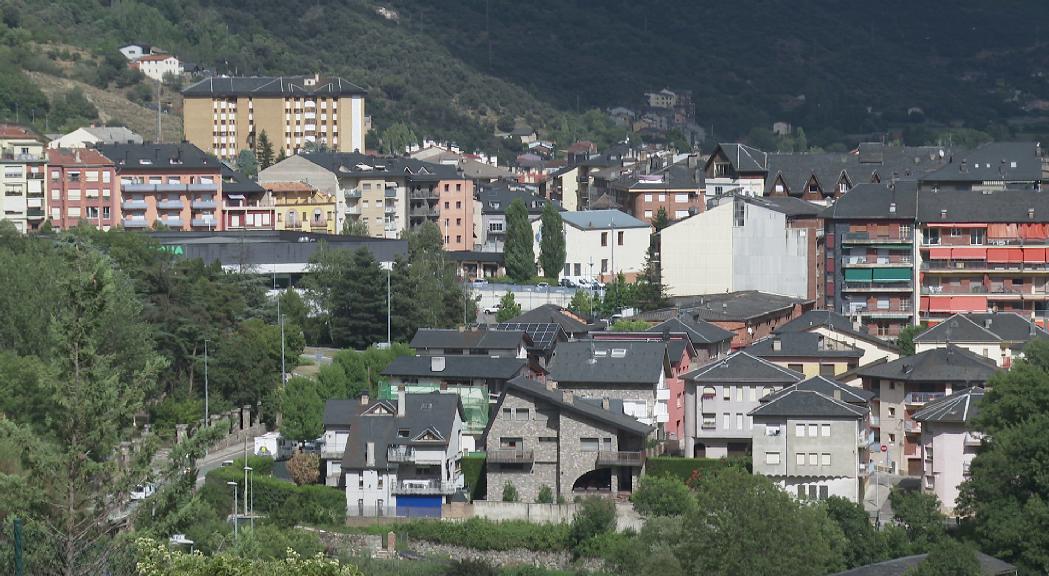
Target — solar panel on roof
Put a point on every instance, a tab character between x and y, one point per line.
543	334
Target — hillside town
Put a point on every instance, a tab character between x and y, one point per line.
857	326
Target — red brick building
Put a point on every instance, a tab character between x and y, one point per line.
82	186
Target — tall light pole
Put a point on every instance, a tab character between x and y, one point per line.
206	414
247	489
236	535
280	318
389	305
251	491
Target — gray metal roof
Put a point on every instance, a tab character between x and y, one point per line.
959	407
344	164
426	338
465	367
1006	161
744	158
1007	327
735	306
602	220
698	331
378	423
949	364
159	157
552	314
590	408
743	367
833	321
258	86
620	362
876	201
797	403
802	345
830	388
989	566
1010	205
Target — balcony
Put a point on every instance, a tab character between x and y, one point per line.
875	421
171	187
138	187
170	205
209	223
973	439
400	454
874	261
133	204
663	394
620	458
422	487
390	210
35	176
511	456
423	195
10	156
353	193
330	453
321	224
912	427
135	223
172	222
34	213
203	187
922	398
888	313
877	287
868	238
422	213
203	204
979	289
865	439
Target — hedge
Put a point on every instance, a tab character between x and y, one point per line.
480	534
474	473
283	501
683	468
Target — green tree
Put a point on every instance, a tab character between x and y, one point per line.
433	281
801	142
397	138
662	219
623	325
745	524
662	496
518	251
552	249
348	288
905	340
302	408
918	512
582	303
649	291
264	151
246	365
594	516
545	495
508	308
247	164
948	558
865	544
353	227
304	468
509	492
156	559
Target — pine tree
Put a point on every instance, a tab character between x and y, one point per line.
649	291
662	219
359	313
518	252
508	308
264	151
552	242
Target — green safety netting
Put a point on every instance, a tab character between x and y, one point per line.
474	399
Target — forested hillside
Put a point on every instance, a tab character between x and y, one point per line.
842	71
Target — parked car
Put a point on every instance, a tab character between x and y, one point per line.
569	283
493	309
143	491
543	285
479	282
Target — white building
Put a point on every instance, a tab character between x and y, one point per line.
741	244
22	173
999	336
135	51
601	244
93	135
813	439
399	457
736	169
948	446
157	66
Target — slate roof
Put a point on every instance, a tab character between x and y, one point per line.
257	86
788	205
797	169
743	367
983	327
545	335
602	220
949	364
989	566
1011	205
698	331
464	367
234	182
552	314
423	412
797	403
802	345
735	306
959	407
872	201
590	408
833	321
160	157
495	199
677	176
357	164
745	158
113	134
340	413
828	387
426	338
1008	161
596	361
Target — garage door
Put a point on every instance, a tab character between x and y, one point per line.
419	506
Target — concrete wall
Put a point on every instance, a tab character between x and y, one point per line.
767	255
299	169
683	270
945	444
584	246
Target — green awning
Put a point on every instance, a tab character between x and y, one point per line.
892	274
857	275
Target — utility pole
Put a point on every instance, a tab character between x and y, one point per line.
283	372
236	536
389	306
160	140
206	414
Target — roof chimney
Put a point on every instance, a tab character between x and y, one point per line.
364	399
987	323
437	364
1030	213
400	402
604	403
369	454
892	207
837	394
943	214
567	396
551	384
777	344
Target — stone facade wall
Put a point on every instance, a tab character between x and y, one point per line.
575	462
542	423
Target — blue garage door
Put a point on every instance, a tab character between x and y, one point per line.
419	506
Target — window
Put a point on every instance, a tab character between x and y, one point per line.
578	268
799	430
648	197
813	459
681	198
446	205
459	187
709	421
726	392
825	430
739	421
589	445
977	236
892	438
648	214
825	459
709	392
799	459
568	269
767	390
801	491
813	491
739	214
105	212
662	197
403	433
619	238
74	176
824	492
826	370
521	414
55	174
796	367
679	214
726	421
772	458
883	304
932	235
812	431
604	238
892	411
508	413
739	393
604	265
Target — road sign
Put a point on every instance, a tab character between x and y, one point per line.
884	448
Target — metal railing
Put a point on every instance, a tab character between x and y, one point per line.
511	456
400	454
874	239
874	260
419	486
608	458
875	286
916	398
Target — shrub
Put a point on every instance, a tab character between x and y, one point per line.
545	496
471	567
509	492
473	472
304	468
285	502
480	534
593	517
662	496
689	469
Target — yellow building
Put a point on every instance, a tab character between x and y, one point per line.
225	115
301	207
810	353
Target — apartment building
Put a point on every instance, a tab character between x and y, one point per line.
494	200
82	187
677	189
176	186
225	115
299	206
601	244
813	439
991	166
541	435
401	457
834	326
902	387
719	398
870	254
999	336
736	168
810	353
22	160
948	446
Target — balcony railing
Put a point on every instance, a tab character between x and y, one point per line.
878	286
203	204
876	261
136	223
511	456
171	187
170	205
204	222
202	187
133	204
868	238
977	289
330	453
34	213
353	193
138	187
973	439
400	454
919	398
912	426
620	458
423	195
172	222
422	487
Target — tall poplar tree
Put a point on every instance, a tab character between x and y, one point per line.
518	252
552	249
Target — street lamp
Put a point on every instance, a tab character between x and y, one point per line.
247	486
206	414
234	484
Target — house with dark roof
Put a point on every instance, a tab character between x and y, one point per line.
490	343
989	566
735	167
677	189
948	444
494	200
1000	336
401	457
600	244
542	435
989	166
813	439
902	387
708	340
633	372
545	337
573	325
719	398
834	326
807	352
748	243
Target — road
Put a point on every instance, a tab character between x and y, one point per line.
215	459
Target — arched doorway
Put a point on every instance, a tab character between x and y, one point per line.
593	482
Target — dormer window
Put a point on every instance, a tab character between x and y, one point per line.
403	433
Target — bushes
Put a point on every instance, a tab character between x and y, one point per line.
480	534
509	492
686	469
662	496
594	516
545	496
286	503
473	471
